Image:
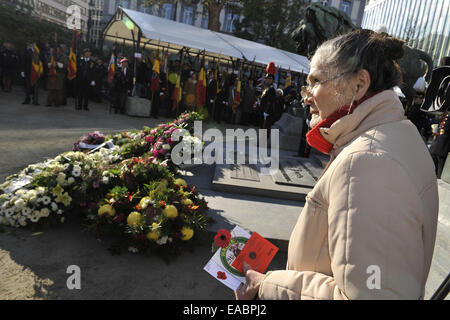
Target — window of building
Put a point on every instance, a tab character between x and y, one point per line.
346	7
167	11
230	19
188	15
205	21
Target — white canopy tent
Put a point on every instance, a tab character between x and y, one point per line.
154	31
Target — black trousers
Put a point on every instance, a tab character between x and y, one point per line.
83	90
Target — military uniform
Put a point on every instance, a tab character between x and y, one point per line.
85	79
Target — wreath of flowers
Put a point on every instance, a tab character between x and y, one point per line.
130	190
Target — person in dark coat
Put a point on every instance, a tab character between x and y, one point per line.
221	100
9	64
85	79
211	92
248	100
31	90
268	103
100	75
122	85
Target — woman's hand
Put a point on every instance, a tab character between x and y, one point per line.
250	289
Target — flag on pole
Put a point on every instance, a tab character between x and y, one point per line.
288	79
155	76
37	68
112	67
72	63
200	92
237	95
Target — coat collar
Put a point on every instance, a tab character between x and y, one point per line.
382	108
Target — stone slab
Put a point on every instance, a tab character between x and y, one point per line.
138	107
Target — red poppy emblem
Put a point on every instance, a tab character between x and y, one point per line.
221	275
222	238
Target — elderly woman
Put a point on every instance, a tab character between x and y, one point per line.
368	227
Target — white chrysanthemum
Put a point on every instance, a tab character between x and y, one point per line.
70	181
8	212
54	206
76	172
20	204
23	222
40	190
26	212
45	212
105	180
46	200
34	218
59	211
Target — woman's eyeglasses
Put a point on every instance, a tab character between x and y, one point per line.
306	90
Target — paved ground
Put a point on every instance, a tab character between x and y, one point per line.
34	267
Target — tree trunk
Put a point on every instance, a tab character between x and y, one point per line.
214	15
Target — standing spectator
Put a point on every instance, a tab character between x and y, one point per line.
9	65
56	78
122	84
85	79
268	103
30	56
221	99
211	91
100	75
248	100
279	105
141	78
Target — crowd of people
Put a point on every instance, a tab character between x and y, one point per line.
93	81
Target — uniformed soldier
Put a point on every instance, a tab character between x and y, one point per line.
85	79
268	98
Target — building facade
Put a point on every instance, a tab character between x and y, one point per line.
193	14
56	11
423	24
353	8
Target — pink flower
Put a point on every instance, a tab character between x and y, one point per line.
95	184
155	152
153	132
169	141
167	132
149	139
162	151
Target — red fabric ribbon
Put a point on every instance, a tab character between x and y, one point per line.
315	138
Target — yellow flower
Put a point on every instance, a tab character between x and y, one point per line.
186	233
187	201
134	219
170	211
154	234
180	182
64	198
58	190
145	202
108	209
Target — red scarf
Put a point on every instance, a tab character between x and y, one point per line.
316	140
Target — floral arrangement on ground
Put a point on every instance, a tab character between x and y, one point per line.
129	189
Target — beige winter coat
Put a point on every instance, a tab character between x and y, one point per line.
368	227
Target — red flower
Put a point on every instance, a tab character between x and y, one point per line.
162	203
221	275
222	238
